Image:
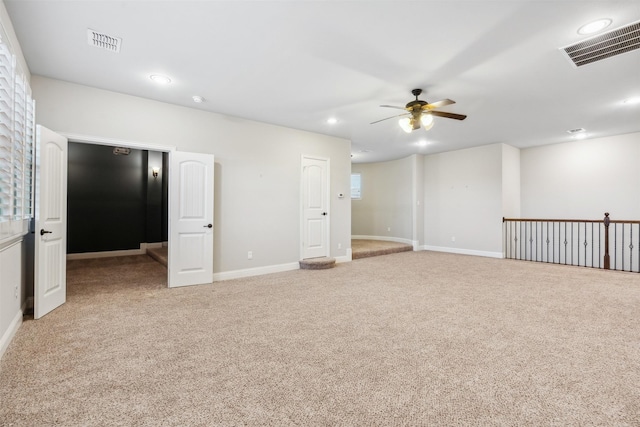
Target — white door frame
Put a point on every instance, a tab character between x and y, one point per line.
328	200
96	140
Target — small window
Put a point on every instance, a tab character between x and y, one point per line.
356	186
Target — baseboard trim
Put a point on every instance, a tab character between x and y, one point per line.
413	243
8	335
257	271
462	251
347	258
109	254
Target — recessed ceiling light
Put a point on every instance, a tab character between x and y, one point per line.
332	120
422	143
197	99
163	80
595	26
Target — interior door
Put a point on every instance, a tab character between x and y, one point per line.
50	270
190	218
315	207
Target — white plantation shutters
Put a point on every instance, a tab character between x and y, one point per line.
29	133
7	66
19	126
17	115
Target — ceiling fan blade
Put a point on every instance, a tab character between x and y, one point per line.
448	115
438	104
393	106
392	117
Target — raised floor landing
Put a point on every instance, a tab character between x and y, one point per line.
360	248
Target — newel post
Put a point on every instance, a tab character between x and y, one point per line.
606	241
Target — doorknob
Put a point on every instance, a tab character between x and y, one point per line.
208	226
324	213
43	232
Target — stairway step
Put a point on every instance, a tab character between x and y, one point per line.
159	254
322	263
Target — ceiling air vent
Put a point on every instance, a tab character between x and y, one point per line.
611	43
576	130
103	41
121	151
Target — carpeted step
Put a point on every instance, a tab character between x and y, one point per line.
159	254
317	263
371	248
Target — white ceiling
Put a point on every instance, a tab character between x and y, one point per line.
297	63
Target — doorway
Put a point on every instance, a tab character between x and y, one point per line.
116	200
188	171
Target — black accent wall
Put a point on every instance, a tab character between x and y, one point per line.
114	202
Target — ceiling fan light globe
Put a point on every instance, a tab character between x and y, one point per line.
406	124
427	121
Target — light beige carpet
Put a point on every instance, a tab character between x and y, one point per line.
409	339
159	254
364	248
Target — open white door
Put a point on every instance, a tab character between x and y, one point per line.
315	207
190	219
50	275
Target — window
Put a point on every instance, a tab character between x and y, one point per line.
17	113
7	66
356	186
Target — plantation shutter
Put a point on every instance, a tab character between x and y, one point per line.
20	124
7	66
28	156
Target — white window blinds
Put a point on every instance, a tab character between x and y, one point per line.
17	114
28	153
19	126
7	72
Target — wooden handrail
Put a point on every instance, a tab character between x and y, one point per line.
550	220
612	221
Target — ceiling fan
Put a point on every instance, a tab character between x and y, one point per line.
421	112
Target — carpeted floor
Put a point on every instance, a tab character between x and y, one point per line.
408	339
361	248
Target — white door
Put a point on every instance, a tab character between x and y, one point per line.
50	275
315	207
190	219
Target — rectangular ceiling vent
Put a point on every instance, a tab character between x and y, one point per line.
612	43
121	151
103	41
576	130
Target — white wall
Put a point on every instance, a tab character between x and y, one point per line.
582	179
387	200
258	166
510	181
418	200
11	284
463	201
